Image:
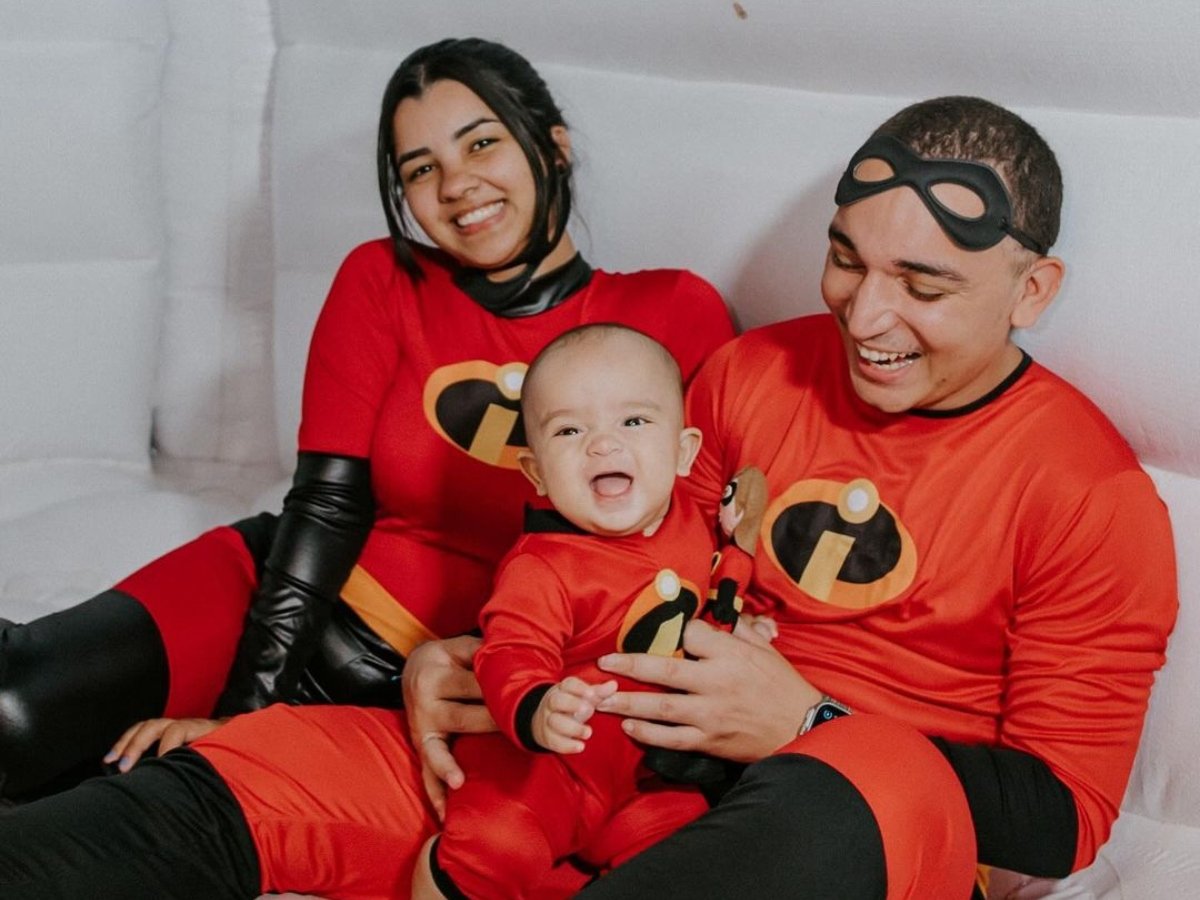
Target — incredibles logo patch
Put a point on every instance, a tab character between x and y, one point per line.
839	544
476	406
654	623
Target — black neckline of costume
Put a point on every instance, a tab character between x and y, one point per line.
1025	363
549	521
524	295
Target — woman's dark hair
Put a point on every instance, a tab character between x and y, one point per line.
512	88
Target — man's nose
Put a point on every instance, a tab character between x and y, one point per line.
872	308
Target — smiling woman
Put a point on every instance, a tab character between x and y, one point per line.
407	493
469	185
472	144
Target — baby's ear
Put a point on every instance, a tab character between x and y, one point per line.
689	446
529	466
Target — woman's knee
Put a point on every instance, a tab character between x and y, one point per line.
71	682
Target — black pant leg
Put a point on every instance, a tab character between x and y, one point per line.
793	827
168	830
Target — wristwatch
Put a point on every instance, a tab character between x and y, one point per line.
824	710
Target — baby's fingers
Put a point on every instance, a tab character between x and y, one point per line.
564	734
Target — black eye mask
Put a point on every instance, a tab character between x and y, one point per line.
925	176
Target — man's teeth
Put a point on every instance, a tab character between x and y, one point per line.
478	215
890	361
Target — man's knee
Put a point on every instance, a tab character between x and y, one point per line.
913	796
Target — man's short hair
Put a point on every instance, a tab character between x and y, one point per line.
978	130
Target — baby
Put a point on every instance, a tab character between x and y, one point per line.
620	563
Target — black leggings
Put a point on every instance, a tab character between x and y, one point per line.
765	841
168	829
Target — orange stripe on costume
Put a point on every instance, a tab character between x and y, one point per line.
382	613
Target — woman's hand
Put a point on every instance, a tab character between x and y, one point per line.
559	722
741	699
441	697
167	733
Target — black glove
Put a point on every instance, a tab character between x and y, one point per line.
326	518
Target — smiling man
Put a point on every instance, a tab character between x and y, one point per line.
973	579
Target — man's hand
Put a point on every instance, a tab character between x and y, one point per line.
741	699
559	722
168	733
441	698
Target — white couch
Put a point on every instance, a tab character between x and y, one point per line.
180	178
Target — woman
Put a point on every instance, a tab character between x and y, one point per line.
405	496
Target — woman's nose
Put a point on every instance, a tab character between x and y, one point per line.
458	180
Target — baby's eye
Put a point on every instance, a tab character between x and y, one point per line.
634	421
566	431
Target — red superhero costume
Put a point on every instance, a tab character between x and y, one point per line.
563	598
1026	607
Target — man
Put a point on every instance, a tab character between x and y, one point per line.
972	577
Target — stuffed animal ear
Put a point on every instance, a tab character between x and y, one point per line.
751	497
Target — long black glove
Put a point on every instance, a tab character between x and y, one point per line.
326	518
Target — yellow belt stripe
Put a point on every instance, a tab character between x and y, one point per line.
383	615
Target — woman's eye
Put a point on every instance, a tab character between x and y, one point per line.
483	142
416	173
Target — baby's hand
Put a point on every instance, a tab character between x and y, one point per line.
559	723
757	629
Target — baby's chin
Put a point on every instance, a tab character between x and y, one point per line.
622	526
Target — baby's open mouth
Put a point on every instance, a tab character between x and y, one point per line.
611	484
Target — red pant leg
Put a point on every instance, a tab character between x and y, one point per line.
655	812
918	802
516	814
332	795
197	595
520	813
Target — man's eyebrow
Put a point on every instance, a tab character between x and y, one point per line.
836	234
422	151
933	271
909	265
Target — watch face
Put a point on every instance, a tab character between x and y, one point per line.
826	712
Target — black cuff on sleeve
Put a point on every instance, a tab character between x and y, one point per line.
524	717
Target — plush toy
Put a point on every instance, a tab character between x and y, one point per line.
743	504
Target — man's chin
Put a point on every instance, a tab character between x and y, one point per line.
886	399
